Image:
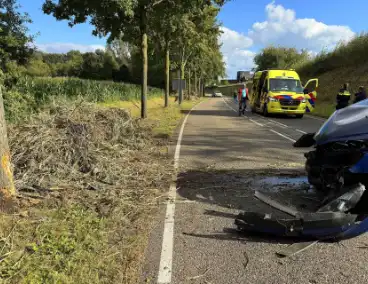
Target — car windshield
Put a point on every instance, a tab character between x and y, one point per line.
288	85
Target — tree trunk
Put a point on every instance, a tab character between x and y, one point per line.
7	189
182	77
199	86
189	83
144	63
195	83
180	96
202	87
167	76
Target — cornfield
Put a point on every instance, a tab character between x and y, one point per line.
29	95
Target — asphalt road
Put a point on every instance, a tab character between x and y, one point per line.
222	156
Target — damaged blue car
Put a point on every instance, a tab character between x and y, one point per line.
337	168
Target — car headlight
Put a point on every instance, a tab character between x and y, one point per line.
304	101
271	99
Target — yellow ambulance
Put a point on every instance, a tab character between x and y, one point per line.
277	91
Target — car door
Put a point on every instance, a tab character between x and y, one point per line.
310	93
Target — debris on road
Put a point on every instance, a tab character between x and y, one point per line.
337	169
295	248
291	211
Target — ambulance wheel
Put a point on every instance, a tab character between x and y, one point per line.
299	116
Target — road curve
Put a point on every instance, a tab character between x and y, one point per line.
221	156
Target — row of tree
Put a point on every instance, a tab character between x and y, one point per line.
164	35
280	57
183	33
99	65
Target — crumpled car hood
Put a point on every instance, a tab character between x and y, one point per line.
350	123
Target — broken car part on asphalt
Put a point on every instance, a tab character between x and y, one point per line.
337	168
330	221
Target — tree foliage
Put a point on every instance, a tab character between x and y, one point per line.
14	40
15	43
279	57
125	19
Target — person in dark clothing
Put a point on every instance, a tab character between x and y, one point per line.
361	95
343	97
235	95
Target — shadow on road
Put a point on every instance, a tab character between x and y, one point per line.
214	113
231	234
234	191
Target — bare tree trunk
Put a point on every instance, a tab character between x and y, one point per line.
167	73
7	189
195	83
200	86
189	83
144	63
203	84
182	77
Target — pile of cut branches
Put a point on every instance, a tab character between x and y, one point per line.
88	179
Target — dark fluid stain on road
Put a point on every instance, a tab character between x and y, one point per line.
275	183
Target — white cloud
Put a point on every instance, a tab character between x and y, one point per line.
65	47
234	48
282	27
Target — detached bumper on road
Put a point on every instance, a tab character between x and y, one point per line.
331	221
319	225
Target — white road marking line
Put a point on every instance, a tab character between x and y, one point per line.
260	124
228	105
282	135
279	123
301	131
165	270
315	117
256	122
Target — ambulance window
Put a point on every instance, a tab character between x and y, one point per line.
288	85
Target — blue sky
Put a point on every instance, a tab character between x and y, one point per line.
248	26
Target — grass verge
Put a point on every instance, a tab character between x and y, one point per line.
162	120
89	181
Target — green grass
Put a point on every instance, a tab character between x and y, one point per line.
347	63
163	120
352	53
324	109
79	235
29	95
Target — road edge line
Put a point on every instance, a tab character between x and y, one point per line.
167	247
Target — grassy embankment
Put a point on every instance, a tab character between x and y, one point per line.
346	63
89	178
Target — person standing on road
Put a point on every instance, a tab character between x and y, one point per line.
343	97
242	97
235	96
361	95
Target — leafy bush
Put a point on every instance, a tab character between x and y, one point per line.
17	105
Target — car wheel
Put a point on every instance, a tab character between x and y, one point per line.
299	116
